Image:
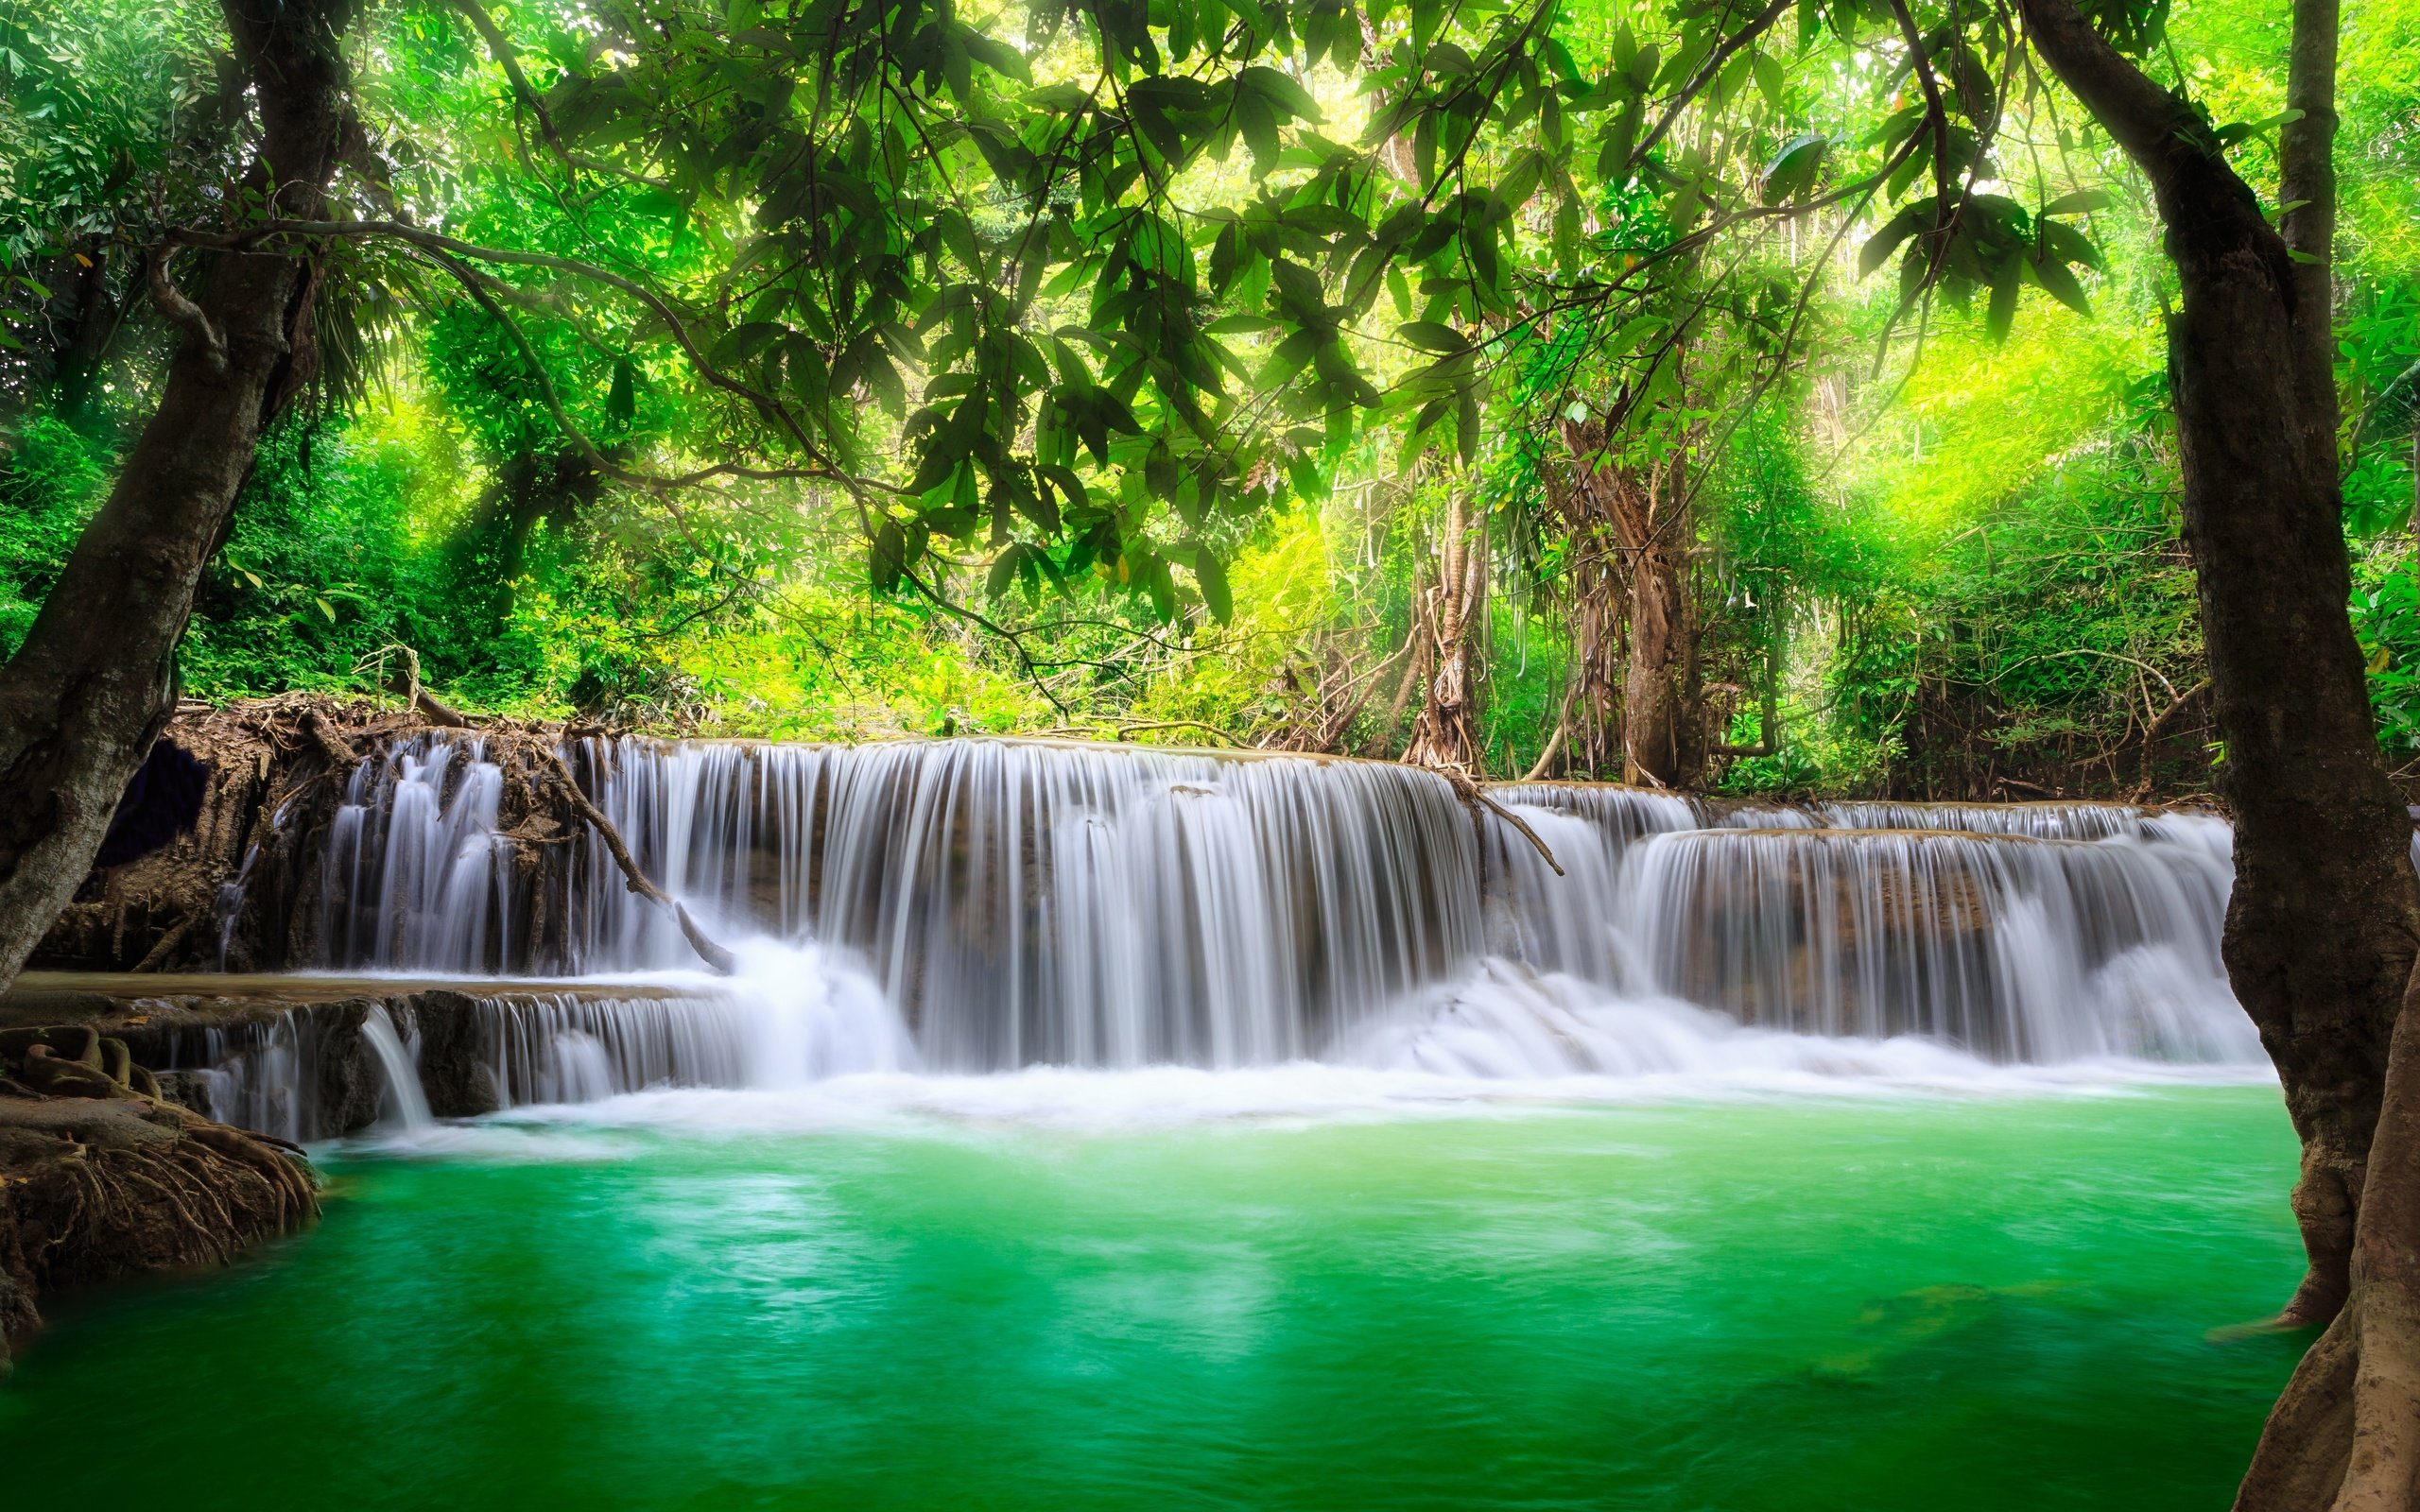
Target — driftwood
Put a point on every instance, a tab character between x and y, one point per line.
1475	796
711	953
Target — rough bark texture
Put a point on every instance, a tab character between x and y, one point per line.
2325	912
1663	721
1452	612
1598	591
93	682
2345	1434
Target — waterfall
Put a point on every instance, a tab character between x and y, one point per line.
428	886
975	906
401	1099
2036	951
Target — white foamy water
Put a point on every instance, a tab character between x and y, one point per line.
1500	1041
982	929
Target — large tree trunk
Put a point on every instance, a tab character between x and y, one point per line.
1598	591
93	685
2326	915
1451	614
1663	721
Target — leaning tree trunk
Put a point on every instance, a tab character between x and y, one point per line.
2323	925
93	685
1663	725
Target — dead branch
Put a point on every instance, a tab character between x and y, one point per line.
711	953
1475	796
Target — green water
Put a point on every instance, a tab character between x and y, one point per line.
1937	1304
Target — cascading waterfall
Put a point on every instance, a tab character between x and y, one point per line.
1020	902
978	905
2035	951
417	877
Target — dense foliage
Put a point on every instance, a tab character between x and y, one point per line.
857	368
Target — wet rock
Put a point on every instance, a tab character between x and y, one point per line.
453	1073
350	1088
188	1089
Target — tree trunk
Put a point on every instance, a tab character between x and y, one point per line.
1452	612
1598	599
1663	724
2325	914
93	320
93	685
1663	736
531	486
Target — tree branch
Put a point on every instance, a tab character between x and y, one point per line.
429	241
181	312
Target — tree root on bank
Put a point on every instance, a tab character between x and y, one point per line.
280	768
100	1178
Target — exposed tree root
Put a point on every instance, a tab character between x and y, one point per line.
1475	796
98	1180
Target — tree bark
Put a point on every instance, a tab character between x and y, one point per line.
2325	914
1446	732
1598	601
1663	723
2306	192
2322	928
93	685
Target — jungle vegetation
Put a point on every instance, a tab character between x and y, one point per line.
1942	538
1948	398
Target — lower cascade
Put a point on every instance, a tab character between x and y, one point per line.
978	905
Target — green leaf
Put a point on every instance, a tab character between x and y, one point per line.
327	609
744	341
1431	335
1213	579
1878	250
1642	71
620	402
1793	169
1613	158
2065	243
2053	275
2002	312
996	56
1003	570
888	558
1769	80
2078	202
1279	91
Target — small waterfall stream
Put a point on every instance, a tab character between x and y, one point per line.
402	1102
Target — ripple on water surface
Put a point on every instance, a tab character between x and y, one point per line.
789	1302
